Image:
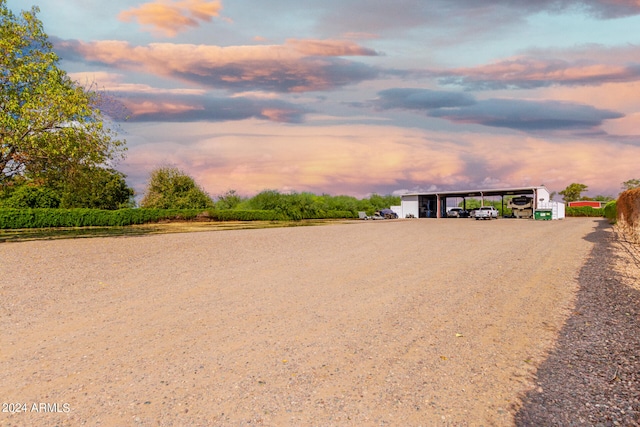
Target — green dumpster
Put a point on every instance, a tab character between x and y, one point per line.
543	214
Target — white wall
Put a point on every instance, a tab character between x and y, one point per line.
409	206
557	209
542	193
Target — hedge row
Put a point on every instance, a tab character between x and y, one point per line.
584	211
248	215
275	215
48	218
45	218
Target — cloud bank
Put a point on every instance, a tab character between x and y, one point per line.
296	66
587	66
518	114
163	108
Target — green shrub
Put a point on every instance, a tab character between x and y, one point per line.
246	215
584	211
337	215
26	196
273	215
611	211
48	218
171	188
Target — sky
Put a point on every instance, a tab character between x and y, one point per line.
357	97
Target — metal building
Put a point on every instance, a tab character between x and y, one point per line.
434	205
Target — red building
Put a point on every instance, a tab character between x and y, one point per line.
592	203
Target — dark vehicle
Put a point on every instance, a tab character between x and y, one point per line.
387	214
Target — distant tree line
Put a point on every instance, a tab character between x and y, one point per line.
172	188
573	192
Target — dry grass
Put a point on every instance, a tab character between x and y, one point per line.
164	227
629	214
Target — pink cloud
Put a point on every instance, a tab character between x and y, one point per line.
112	82
142	107
296	66
329	48
624	97
171	17
585	65
252	158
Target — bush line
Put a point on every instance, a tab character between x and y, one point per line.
51	218
584	211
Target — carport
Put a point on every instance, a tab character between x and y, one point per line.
434	204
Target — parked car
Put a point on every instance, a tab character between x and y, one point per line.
486	212
388	214
457	213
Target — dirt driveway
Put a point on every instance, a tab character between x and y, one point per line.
402	323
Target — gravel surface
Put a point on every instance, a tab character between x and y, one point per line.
591	377
400	323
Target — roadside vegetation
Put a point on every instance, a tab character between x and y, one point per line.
628	214
172	195
269	205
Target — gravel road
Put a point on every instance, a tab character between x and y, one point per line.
591	377
399	323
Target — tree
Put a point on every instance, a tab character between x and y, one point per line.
29	197
228	200
171	188
631	184
471	203
96	188
573	192
89	187
48	123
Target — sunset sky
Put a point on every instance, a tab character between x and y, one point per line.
361	96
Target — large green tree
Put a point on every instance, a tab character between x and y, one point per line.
573	192
49	125
96	188
171	188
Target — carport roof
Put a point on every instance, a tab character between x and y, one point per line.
482	192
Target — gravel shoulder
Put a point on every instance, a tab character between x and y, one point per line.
407	322
591	377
